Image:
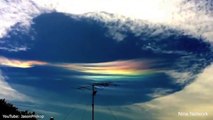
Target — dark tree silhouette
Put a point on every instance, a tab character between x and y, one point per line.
9	109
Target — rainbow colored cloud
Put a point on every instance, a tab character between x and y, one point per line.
115	70
112	70
19	63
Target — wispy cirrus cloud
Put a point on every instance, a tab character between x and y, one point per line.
19	63
122	67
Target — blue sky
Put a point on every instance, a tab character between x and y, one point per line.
48	55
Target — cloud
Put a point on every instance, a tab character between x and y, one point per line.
188	17
7	92
196	97
14	49
13	12
125	67
19	63
192	17
181	77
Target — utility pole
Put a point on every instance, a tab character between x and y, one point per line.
93	101
94	92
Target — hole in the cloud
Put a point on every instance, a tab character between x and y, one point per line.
61	38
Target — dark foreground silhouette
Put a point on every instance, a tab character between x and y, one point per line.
9	111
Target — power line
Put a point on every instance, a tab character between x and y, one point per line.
73	109
82	117
114	116
110	110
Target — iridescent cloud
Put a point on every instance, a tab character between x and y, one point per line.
19	63
113	70
126	67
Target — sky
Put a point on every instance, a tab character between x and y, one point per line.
153	52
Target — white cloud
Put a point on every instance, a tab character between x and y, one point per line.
14	49
155	10
17	11
7	92
197	97
181	77
158	92
193	17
